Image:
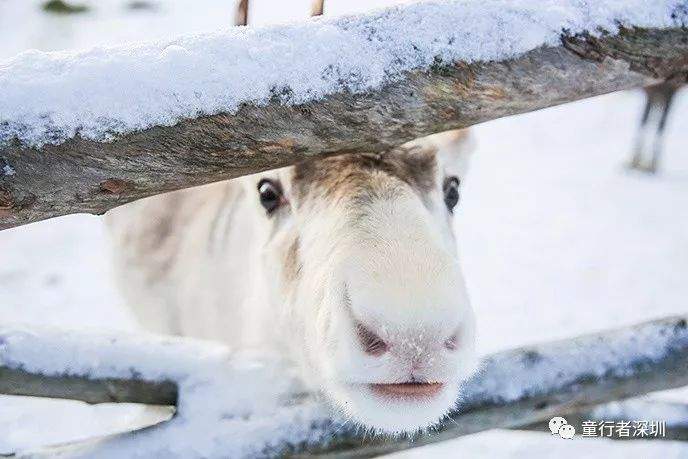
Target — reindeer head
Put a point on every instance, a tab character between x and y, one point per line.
360	258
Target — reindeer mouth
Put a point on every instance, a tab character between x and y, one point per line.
407	391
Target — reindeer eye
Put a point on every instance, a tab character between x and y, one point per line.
451	192
270	195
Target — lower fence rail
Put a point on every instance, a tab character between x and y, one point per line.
519	387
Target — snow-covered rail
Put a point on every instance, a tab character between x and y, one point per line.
234	405
87	131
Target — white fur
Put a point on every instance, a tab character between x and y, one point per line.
392	266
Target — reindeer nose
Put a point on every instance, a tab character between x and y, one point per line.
372	344
376	346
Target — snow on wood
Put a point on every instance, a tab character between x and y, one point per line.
50	97
234	405
86	131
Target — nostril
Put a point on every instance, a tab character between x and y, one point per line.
452	343
372	344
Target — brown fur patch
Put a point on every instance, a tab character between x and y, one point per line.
364	176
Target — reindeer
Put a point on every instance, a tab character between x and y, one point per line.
345	266
658	99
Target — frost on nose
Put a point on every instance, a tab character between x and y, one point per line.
452	343
372	344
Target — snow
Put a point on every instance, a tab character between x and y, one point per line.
106	91
557	239
218	415
104	355
509	376
38	284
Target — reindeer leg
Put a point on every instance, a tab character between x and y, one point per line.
241	13
317	7
658	144
641	135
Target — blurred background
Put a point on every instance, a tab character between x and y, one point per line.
557	236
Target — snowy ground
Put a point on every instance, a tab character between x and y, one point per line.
557	238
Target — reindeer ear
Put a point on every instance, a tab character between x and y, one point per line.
454	150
